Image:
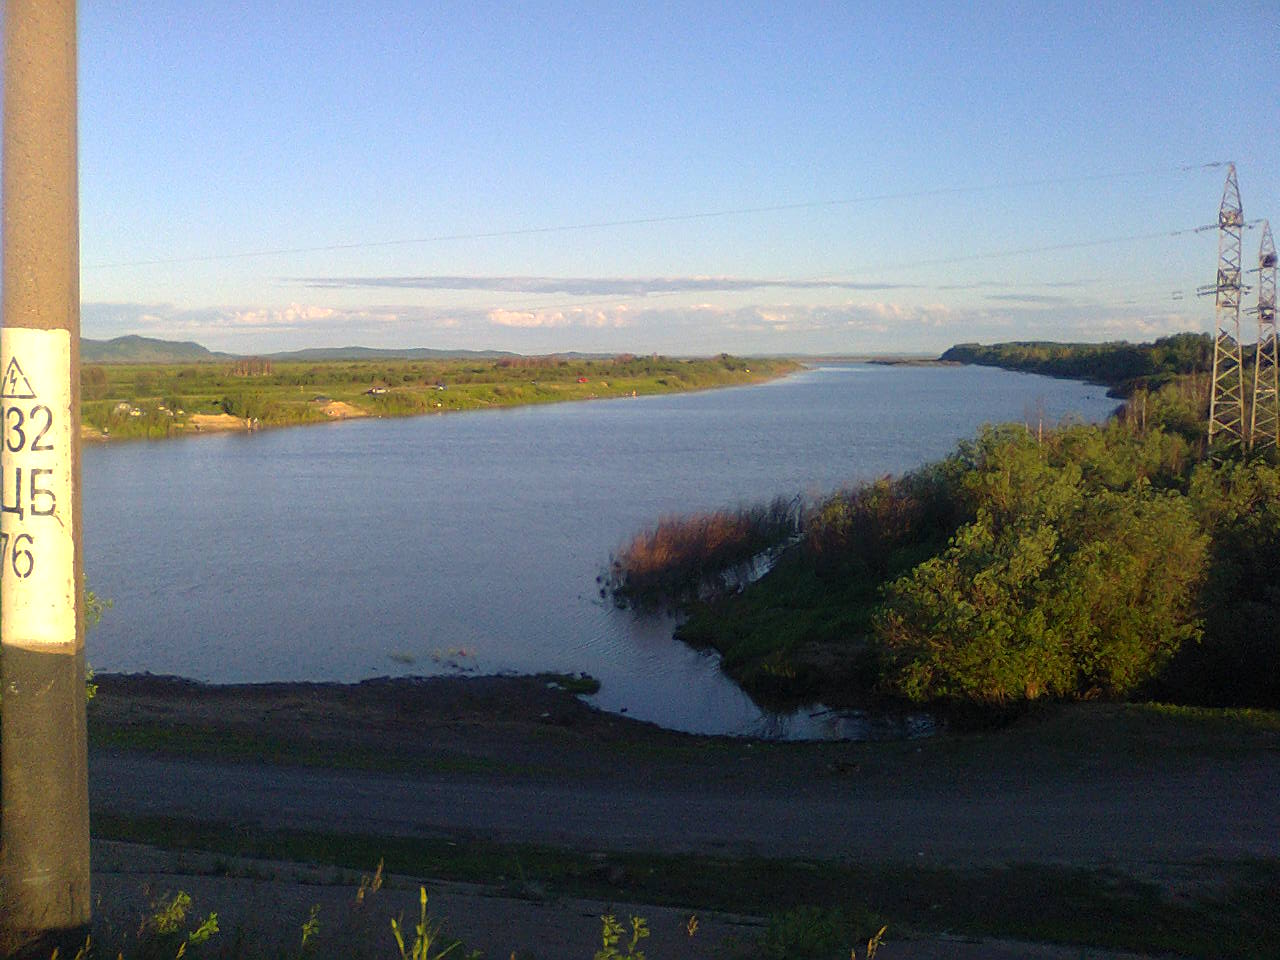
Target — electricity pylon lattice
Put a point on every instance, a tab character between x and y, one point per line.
1226	400
1264	422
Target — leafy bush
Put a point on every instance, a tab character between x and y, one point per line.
1238	664
1058	587
246	405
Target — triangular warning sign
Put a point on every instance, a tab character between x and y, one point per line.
16	386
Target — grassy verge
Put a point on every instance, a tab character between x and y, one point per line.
1200	910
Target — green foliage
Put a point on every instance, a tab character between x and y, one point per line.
429	943
1117	456
814	933
1179	408
1120	364
169	916
94	607
246	405
120	419
399	403
162	935
805	933
310	930
93	382
1239	664
1061	586
579	684
612	934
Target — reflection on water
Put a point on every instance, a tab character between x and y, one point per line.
820	723
472	541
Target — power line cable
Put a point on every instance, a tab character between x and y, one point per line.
645	221
476	284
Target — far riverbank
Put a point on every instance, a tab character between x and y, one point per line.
132	401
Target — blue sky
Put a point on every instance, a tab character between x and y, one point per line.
683	178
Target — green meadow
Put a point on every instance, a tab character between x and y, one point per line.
145	400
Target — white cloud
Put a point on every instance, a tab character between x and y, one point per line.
595	318
290	317
1145	326
707	327
527	318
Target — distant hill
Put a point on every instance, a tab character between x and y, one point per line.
376	353
134	349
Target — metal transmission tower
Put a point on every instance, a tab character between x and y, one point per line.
1264	423
1226	401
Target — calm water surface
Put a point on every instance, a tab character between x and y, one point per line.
473	541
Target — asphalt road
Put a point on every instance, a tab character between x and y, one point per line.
1199	809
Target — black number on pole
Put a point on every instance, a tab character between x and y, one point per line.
38	444
23	561
14	427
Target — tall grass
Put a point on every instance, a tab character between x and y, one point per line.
682	558
171	930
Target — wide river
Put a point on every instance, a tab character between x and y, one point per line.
472	542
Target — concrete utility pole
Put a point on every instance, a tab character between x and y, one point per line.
44	795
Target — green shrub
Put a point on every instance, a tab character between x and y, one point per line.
1238	664
1056	588
246	405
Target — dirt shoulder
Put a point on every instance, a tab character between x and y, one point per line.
520	724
